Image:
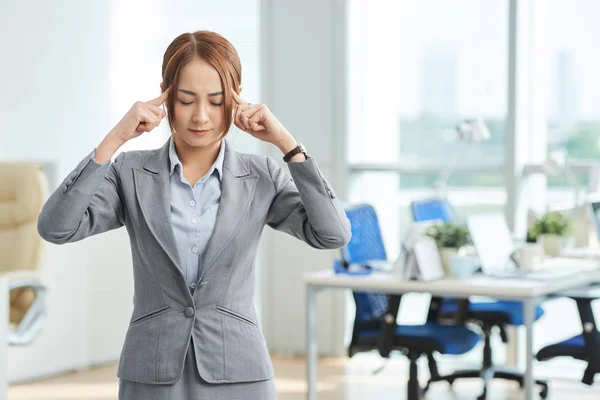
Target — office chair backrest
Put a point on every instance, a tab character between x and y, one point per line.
366	243
370	306
432	208
23	191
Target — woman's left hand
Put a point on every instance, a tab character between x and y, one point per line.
259	121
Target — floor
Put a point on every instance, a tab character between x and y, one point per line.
339	378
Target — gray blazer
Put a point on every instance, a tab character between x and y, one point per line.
219	316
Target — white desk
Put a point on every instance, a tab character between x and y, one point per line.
530	292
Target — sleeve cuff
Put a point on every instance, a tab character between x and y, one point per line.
93	159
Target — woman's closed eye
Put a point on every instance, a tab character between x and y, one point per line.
188	103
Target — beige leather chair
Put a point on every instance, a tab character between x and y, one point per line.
23	191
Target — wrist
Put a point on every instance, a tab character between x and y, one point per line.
286	144
115	138
107	148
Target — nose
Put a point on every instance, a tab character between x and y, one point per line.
200	115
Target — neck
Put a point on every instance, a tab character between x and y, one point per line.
196	158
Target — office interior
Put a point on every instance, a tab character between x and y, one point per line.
478	108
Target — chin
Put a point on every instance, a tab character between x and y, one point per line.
195	141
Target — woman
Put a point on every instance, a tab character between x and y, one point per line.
194	211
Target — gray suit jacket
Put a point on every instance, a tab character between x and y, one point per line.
219	316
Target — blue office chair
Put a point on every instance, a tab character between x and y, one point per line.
487	314
586	346
375	321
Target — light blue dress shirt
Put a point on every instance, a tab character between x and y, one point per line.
194	212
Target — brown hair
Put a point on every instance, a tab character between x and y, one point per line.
216	51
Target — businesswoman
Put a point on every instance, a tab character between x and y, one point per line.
194	211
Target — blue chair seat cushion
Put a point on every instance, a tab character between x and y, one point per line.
572	347
495	312
446	339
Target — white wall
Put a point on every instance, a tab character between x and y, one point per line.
303	61
68	79
55	107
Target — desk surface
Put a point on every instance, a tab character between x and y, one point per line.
477	285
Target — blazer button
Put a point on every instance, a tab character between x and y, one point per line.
189	312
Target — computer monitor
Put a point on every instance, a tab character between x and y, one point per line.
492	241
594	207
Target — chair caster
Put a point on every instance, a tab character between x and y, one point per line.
482	396
426	388
544	393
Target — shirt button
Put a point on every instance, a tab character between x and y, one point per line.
193	285
194	220
192	203
202	180
194	249
189	312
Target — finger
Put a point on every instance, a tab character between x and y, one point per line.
148	120
255	126
253	121
237	98
251	111
244	121
160	99
238	117
156	110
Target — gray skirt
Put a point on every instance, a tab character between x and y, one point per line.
192	387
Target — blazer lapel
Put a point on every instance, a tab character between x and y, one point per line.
153	191
237	191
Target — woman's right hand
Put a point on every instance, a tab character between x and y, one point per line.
142	117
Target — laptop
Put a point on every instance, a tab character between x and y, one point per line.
493	243
496	250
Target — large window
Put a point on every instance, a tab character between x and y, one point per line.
573	84
573	79
414	75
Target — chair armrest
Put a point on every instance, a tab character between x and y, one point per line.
33	320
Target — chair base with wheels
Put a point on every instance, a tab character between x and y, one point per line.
586	346
488	315
413	341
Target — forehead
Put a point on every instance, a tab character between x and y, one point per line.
199	76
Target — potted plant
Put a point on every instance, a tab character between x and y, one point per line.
450	238
551	230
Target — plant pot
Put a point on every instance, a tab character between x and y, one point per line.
446	254
551	243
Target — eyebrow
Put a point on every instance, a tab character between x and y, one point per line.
194	93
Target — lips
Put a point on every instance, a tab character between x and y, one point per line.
200	132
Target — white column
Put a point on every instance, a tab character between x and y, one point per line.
526	136
526	120
304	84
4	308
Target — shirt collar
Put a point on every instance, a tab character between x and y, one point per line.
217	165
